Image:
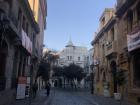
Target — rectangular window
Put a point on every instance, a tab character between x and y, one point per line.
68	57
78	58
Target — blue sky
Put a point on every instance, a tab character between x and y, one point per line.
78	19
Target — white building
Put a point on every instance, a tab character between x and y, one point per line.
88	67
73	54
89	61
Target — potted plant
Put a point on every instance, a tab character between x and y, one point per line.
121	81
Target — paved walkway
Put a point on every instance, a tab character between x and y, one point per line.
68	97
80	97
41	99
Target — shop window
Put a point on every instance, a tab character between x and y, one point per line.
136	72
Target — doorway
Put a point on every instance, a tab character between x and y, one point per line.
113	67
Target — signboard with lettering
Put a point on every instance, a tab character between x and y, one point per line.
133	41
21	88
26	42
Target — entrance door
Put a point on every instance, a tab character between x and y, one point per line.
114	71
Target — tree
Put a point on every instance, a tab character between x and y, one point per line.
44	71
73	72
57	71
50	57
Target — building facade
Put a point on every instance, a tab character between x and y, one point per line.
116	46
39	9
104	46
18	31
73	54
128	15
89	68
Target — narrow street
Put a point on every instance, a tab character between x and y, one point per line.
69	97
79	97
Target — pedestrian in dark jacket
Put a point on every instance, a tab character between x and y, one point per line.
35	88
48	87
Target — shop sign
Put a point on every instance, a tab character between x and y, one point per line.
26	42
21	88
133	41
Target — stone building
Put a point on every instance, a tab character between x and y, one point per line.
72	54
18	30
39	9
128	21
116	46
104	53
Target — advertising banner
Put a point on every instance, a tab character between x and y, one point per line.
26	42
133	41
21	88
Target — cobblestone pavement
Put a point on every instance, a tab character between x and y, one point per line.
69	97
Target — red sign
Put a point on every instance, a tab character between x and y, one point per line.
22	80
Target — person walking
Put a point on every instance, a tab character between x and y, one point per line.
48	87
35	88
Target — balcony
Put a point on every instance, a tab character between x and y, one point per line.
111	47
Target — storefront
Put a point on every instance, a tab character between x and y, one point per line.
133	41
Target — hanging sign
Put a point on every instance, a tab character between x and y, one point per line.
133	41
